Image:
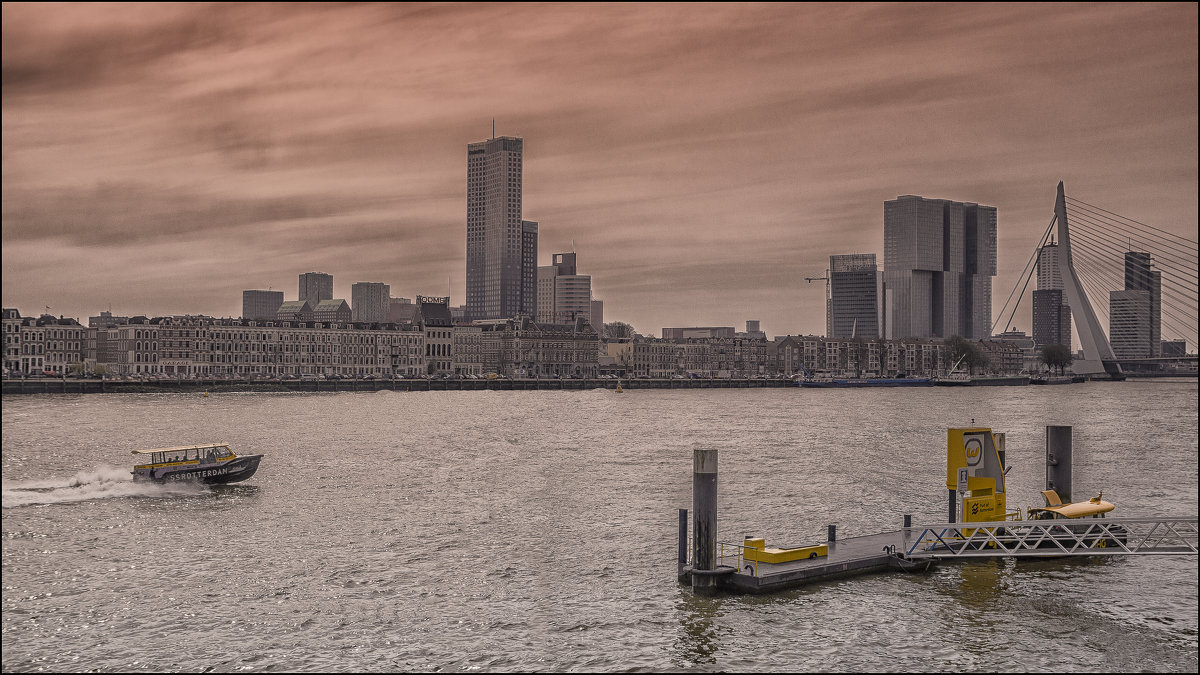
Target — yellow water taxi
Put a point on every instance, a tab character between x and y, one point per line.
211	463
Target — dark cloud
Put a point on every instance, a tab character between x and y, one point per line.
703	159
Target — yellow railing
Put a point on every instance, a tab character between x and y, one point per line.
738	559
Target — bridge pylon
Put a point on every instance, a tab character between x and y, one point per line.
1097	352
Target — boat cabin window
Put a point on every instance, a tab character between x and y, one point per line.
190	454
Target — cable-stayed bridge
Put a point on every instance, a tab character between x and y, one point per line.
1105	256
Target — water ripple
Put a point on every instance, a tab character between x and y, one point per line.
517	531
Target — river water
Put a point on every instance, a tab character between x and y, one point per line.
535	530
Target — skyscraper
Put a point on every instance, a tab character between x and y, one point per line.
529	268
1051	314
261	304
939	260
855	286
315	287
1049	268
1135	314
370	301
1051	318
563	294
501	247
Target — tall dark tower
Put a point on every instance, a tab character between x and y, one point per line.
939	257
498	242
1146	312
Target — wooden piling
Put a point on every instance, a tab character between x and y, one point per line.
1058	461
683	523
704	518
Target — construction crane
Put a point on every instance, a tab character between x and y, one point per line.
825	279
828	304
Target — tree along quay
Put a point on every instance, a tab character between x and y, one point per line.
97	386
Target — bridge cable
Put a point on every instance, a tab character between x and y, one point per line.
1181	264
1099	249
1193	243
1139	230
1163	262
1026	274
1168	288
1096	285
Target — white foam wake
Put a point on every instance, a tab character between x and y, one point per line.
105	482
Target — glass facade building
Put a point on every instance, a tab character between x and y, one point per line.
501	247
855	297
939	260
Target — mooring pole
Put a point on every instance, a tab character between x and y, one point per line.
953	506
704	517
682	539
1058	461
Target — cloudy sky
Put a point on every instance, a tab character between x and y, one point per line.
702	159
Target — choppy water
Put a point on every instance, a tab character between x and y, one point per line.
504	531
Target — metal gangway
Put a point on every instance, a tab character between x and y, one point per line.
1053	538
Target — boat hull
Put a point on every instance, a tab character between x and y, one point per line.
232	471
1051	380
1015	381
874	382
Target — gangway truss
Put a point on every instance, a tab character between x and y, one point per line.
1053	538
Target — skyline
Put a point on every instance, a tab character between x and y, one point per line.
701	170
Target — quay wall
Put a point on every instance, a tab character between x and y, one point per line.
95	386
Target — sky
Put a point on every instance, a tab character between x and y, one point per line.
702	160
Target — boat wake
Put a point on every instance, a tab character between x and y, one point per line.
106	482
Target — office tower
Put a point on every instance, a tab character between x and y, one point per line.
563	294
1049	269
597	317
1129	325
561	264
501	247
1135	314
1051	318
1051	322
855	289
545	294
315	287
370	301
1139	276
261	304
939	260
529	253
572	298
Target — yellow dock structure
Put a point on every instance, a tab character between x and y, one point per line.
980	525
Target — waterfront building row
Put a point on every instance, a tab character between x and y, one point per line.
912	357
202	346
41	345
